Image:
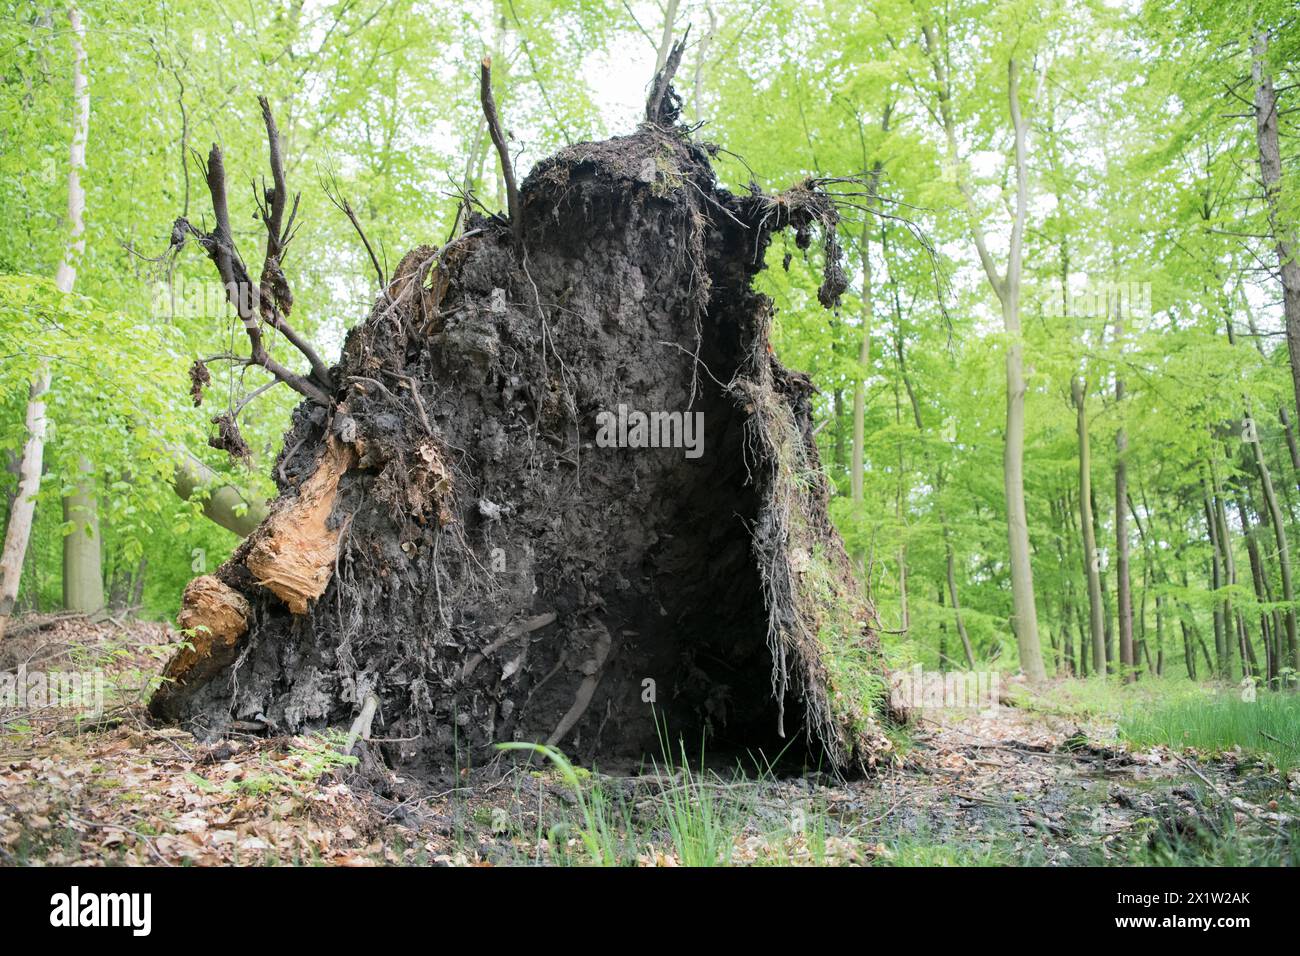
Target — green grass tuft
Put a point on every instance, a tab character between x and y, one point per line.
1267	726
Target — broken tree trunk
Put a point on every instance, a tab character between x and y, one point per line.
562	491
222	503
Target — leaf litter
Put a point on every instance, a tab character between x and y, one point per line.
1015	786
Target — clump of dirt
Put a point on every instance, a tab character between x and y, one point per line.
483	533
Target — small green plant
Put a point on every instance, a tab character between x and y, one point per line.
598	834
315	761
701	822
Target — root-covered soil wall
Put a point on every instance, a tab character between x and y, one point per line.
482	532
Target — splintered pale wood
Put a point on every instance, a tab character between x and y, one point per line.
293	553
217	617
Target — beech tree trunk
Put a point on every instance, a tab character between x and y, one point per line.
1270	174
223	503
859	456
83	573
1283	553
860	381
1123	579
1025	619
951	575
19	529
1092	573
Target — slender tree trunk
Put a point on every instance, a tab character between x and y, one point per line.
860	381
1283	552
868	316
701	58
137	582
1277	655
473	171
1258	573
666	38
943	635
1231	613
1229	565
952	597
19	529
1123	584
1140	640
1007	288
18	533
1189	651
900	493
1061	512
1096	610
1083	639
1270	172
1025	618
841	461
83	576
1123	579
1108	620
1216	584
1160	636
1258	577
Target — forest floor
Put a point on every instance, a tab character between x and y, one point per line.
1047	780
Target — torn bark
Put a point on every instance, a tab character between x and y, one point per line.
214	616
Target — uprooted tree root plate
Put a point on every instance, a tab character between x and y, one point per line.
455	537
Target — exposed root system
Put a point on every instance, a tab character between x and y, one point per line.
563	492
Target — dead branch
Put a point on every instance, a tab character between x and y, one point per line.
269	300
271	208
499	141
664	105
340	202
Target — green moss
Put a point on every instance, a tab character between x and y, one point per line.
670	178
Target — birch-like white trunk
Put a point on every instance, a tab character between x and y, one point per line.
83	578
19	530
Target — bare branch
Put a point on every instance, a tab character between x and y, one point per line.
664	105
340	202
499	140
252	302
271	207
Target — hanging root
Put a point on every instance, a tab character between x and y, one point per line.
361	726
592	669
